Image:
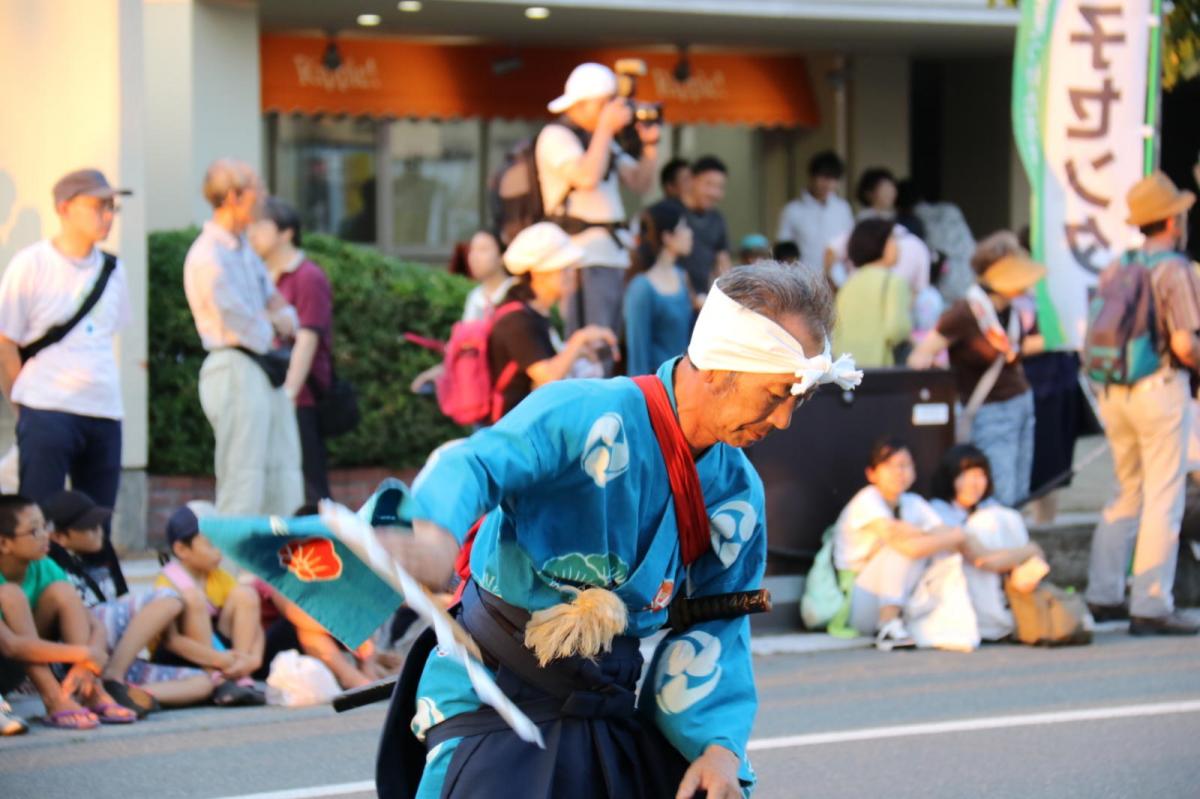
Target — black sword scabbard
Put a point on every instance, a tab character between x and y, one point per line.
687	612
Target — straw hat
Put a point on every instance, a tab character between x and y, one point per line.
1155	198
1012	275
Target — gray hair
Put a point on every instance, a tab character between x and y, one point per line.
225	175
777	291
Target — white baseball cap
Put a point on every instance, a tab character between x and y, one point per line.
541	247
586	82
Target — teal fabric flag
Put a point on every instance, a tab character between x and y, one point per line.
302	560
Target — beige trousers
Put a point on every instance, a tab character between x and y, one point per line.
257	461
1147	427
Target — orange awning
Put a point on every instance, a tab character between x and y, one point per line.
399	78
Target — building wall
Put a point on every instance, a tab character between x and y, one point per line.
202	97
84	110
878	93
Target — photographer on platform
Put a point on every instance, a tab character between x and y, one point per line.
580	169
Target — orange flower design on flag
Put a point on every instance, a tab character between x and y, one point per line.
311	559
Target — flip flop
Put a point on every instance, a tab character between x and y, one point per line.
114	713
230	694
137	699
62	719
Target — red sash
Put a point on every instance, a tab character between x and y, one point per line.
690	515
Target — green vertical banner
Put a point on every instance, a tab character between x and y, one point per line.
1028	105
1084	113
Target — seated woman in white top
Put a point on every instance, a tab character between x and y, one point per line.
885	536
996	538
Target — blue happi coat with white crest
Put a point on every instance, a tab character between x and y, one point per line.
576	492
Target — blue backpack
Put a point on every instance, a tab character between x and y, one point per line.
1121	346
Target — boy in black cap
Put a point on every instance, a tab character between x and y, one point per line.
131	621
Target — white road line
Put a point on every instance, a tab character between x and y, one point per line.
316	792
866	734
973	725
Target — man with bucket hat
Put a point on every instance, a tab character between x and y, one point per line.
1147	425
62	303
580	171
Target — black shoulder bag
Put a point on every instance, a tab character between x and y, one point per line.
60	331
337	406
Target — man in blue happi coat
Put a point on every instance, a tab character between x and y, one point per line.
602	502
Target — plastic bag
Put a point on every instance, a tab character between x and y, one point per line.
299	680
939	612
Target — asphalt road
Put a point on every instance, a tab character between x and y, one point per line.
1117	719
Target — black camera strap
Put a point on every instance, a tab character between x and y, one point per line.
60	331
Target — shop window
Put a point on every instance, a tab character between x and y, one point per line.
436	183
326	167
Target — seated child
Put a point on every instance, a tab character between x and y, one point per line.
220	629
883	541
132	621
996	538
39	608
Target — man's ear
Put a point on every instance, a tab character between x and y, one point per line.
175	548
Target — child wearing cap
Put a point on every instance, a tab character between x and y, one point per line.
221	628
44	623
131	621
524	350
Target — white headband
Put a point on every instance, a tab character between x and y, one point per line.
731	337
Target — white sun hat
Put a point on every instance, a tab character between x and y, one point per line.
586	82
542	247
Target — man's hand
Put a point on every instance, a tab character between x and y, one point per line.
649	134
715	772
587	341
615	115
427	554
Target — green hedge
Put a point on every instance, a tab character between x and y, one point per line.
376	300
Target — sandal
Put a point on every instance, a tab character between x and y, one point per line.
72	719
231	694
139	700
114	713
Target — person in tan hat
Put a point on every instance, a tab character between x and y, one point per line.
62	303
524	350
581	169
1147	425
987	332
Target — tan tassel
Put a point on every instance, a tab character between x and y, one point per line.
585	626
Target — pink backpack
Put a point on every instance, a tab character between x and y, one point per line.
464	390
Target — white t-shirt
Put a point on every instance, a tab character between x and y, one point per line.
853	544
42	288
812	224
996	527
557	148
479	303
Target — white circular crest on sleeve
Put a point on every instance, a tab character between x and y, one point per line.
688	671
427	716
606	450
731	526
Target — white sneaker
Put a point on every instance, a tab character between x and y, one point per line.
893	635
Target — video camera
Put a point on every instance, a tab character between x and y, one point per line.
628	71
